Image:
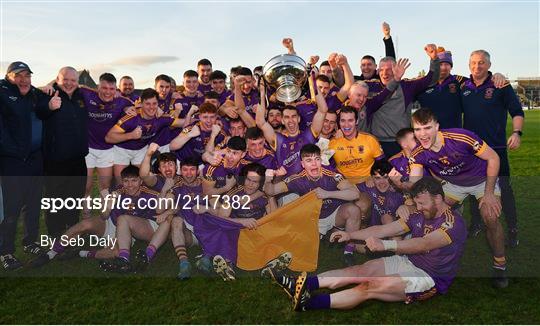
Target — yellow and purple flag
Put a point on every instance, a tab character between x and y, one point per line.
293	228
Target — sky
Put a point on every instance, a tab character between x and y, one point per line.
143	39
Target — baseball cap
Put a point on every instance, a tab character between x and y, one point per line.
18	66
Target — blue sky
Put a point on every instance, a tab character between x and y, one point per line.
144	39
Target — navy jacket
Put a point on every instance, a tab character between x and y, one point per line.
16	115
65	131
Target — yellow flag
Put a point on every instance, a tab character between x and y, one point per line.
293	228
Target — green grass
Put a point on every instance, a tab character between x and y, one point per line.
77	292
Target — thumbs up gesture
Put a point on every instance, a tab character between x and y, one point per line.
56	102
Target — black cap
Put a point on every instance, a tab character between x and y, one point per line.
18	66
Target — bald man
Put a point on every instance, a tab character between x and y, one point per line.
65	145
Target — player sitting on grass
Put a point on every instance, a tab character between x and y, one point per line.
139	222
244	204
103	226
423	266
188	186
382	200
163	181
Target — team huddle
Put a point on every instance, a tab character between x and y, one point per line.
392	181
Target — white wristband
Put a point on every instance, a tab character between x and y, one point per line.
390	245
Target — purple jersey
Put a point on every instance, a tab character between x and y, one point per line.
184	193
195	146
218	174
253	209
187	102
400	162
306	110
224	96
133	97
250	100
150	129
164	135
382	203
301	184
288	149
138	204
102	116
442	263
457	161
333	102
268	160
160	182
204	88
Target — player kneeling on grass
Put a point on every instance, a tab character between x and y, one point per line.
336	193
138	221
423	266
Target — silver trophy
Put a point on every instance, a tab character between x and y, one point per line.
286	73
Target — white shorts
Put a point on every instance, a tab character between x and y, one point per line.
287	199
459	193
326	224
124	156
415	278
99	158
164	149
195	241
110	229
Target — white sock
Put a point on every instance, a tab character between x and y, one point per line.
51	254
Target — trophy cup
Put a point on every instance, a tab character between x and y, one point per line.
286	73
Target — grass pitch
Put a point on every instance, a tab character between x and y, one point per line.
77	292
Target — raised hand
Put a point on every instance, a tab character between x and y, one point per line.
288	43
194	132
386	30
136	133
431	50
56	102
341	60
313	60
152	148
215	129
332	60
399	68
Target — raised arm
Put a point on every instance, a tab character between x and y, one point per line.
318	118
388	43
260	119
144	170
341	60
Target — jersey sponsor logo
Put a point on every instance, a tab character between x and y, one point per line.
467	93
13	98
100	116
444	160
429	91
93	102
489	93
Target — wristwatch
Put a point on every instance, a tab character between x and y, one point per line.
518	132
